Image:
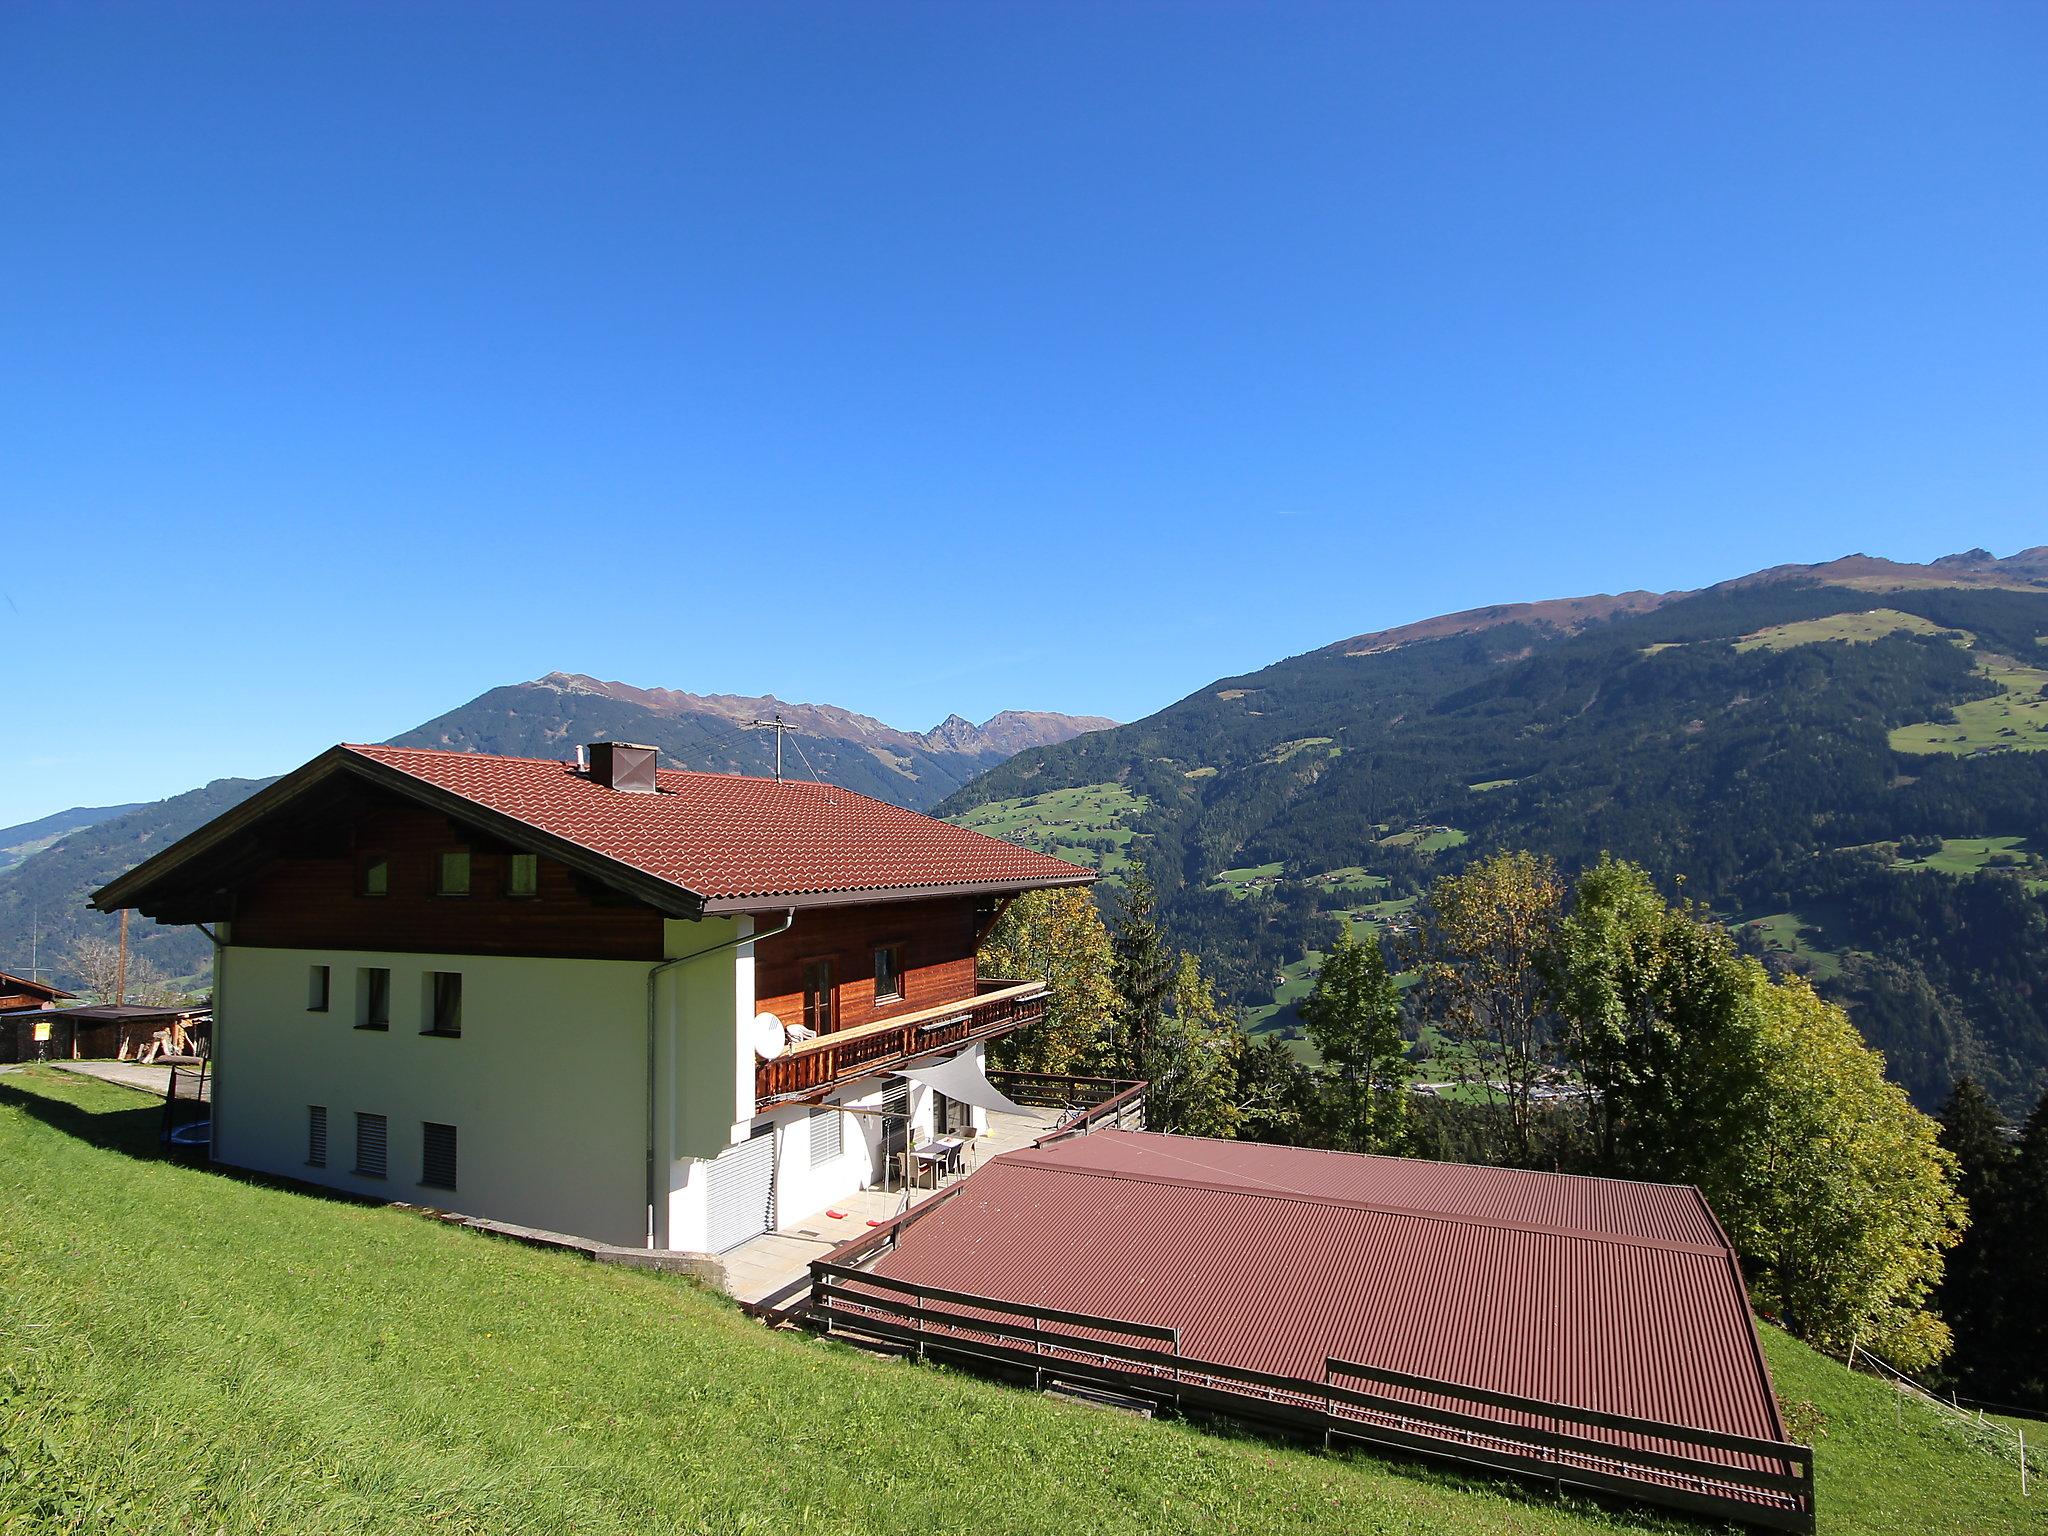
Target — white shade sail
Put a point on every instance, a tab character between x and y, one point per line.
960	1077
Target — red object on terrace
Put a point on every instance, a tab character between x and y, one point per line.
1608	1295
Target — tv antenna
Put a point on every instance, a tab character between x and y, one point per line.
779	726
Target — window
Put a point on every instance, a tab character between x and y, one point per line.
828	1135
522	877
370	1145
373	998
443	1003
437	1155
818	996
376	876
888	974
318	978
452	876
316	1135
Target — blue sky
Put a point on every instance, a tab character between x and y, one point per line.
356	359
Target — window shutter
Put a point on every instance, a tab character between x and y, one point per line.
437	1157
828	1135
371	1143
316	1135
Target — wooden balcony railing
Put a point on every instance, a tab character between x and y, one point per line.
811	1068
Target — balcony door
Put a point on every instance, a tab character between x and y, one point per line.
818	996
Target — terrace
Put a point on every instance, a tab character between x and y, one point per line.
772	1272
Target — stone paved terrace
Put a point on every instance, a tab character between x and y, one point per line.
775	1268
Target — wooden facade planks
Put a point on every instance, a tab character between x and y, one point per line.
311	897
934	942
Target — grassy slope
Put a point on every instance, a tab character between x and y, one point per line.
184	1351
180	1350
1062	822
2015	719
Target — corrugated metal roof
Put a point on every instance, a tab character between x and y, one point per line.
1613	1207
1591	1293
725	836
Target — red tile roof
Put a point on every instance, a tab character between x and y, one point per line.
727	838
1616	1297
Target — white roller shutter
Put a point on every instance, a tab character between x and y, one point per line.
740	1194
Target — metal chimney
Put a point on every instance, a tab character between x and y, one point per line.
622	765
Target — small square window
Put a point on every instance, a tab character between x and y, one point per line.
453	876
443	1003
319	980
373	998
888	974
522	878
376	877
437	1155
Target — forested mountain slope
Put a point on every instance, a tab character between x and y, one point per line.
1845	760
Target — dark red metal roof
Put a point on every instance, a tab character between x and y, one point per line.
1612	1296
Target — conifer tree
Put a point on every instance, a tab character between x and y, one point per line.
1972	1298
1143	974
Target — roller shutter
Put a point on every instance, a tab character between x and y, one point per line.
740	1195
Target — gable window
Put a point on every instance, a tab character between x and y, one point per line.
318	981
452	874
818	996
316	1135
372	1141
522	877
888	973
443	1003
373	998
437	1155
376	876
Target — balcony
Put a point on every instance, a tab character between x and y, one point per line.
810	1069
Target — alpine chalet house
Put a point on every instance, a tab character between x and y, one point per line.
610	1000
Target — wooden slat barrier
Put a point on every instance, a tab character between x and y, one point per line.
1771	1484
814	1067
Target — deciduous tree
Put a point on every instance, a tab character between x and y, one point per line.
1058	937
1353	1018
1480	950
1844	1199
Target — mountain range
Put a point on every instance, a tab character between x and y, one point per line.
60	859
1848	762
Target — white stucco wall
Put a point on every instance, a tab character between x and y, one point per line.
705	1065
546	1085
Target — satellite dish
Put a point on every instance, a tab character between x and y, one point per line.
770	1039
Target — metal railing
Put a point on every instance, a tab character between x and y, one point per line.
1755	1481
1086	1103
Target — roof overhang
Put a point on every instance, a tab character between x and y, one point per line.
867	896
152	887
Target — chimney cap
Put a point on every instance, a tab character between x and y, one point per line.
626	766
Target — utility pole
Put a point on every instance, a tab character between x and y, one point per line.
778	726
